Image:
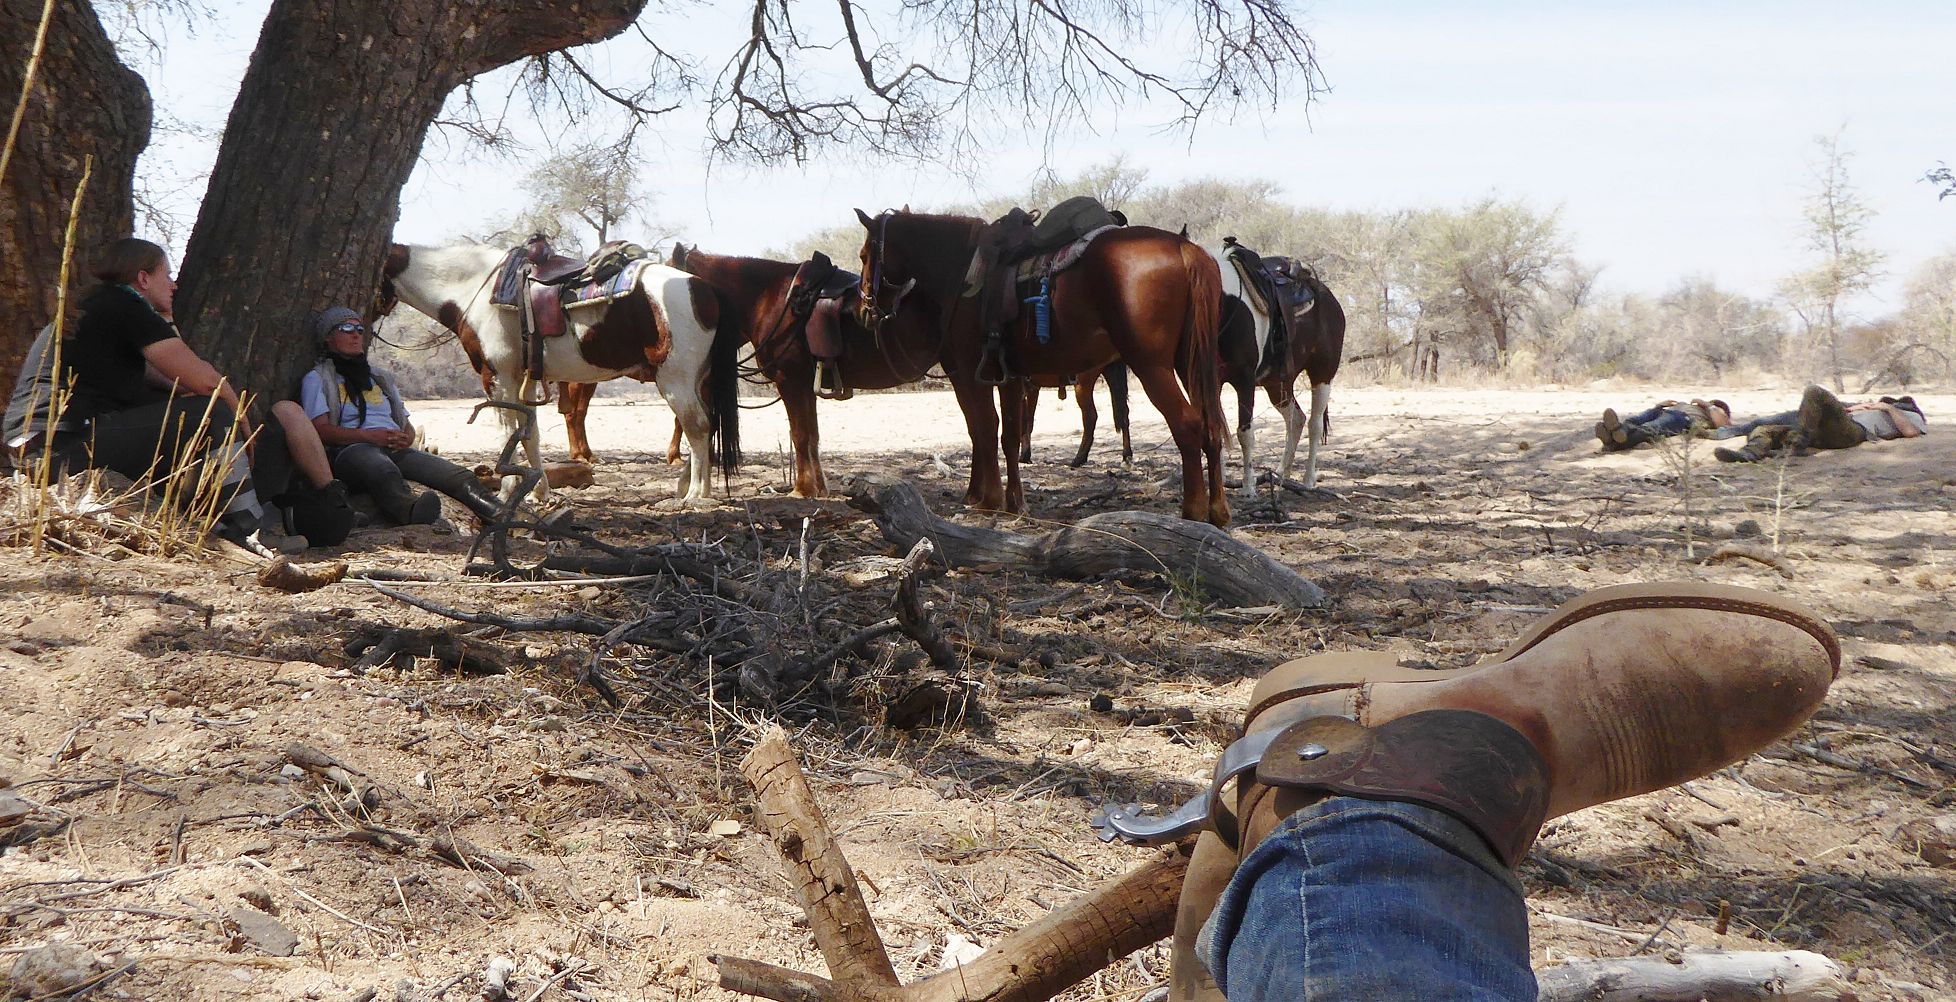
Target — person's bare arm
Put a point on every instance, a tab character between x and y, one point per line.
1904	421
175	364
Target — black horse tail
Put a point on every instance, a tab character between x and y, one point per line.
1116	376
723	385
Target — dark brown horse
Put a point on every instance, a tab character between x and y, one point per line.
1145	296
755	291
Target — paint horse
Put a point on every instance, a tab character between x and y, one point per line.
790	311
1270	346
666	328
1145	296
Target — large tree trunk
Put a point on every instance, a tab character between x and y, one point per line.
84	102
327	127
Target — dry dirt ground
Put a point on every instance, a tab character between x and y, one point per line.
150	706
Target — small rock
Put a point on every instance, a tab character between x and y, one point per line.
958	951
257	898
13	808
255	847
1051	689
1747	529
1101	703
264	931
724	828
1080	747
54	969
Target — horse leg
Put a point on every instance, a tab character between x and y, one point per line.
1031	399
1246	435
1320	407
1191	438
573	402
981	422
1016	418
798	399
1293	427
1089	417
689	414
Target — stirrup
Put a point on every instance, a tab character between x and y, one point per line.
992	360
829	384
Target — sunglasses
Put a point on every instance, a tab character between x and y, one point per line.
350	327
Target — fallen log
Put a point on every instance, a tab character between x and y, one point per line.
1207	559
1036	963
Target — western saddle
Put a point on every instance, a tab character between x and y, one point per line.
541	284
1024	249
1284	285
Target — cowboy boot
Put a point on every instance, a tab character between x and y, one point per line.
403	505
1620	692
1764	443
1610	433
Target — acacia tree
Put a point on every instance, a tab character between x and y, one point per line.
340	94
595	185
84	103
1836	219
1484	266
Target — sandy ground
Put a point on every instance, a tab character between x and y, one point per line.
153	704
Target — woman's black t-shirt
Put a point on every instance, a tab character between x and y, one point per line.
105	354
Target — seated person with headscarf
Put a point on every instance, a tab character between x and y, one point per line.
364	423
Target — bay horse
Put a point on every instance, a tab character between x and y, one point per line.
669	329
1145	296
1314	348
754	297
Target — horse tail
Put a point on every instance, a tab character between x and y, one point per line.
1116	376
723	385
1200	351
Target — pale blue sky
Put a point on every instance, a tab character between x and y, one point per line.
1676	138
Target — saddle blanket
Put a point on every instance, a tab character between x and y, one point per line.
600	293
1038	266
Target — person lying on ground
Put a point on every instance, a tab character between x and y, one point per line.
1372	852
360	416
1823	422
139	401
1663	420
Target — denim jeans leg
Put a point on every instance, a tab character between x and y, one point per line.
1356	899
1644	416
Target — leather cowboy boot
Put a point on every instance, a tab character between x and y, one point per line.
1622	691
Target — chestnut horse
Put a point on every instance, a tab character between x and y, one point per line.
667	329
1145	296
754	294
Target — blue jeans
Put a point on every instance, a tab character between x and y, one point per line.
1356	899
1661	422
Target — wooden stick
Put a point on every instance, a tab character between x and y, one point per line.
824	883
914	617
1714	976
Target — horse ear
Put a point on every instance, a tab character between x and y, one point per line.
678	256
906	206
868	223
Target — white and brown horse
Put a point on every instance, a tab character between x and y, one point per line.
669	329
1315	346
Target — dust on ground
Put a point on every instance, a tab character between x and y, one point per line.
151	704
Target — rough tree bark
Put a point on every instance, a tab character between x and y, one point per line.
327	127
84	102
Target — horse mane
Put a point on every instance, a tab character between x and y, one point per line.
937	248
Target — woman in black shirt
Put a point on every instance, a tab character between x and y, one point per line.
145	404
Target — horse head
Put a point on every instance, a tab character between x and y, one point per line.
881	271
386	297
